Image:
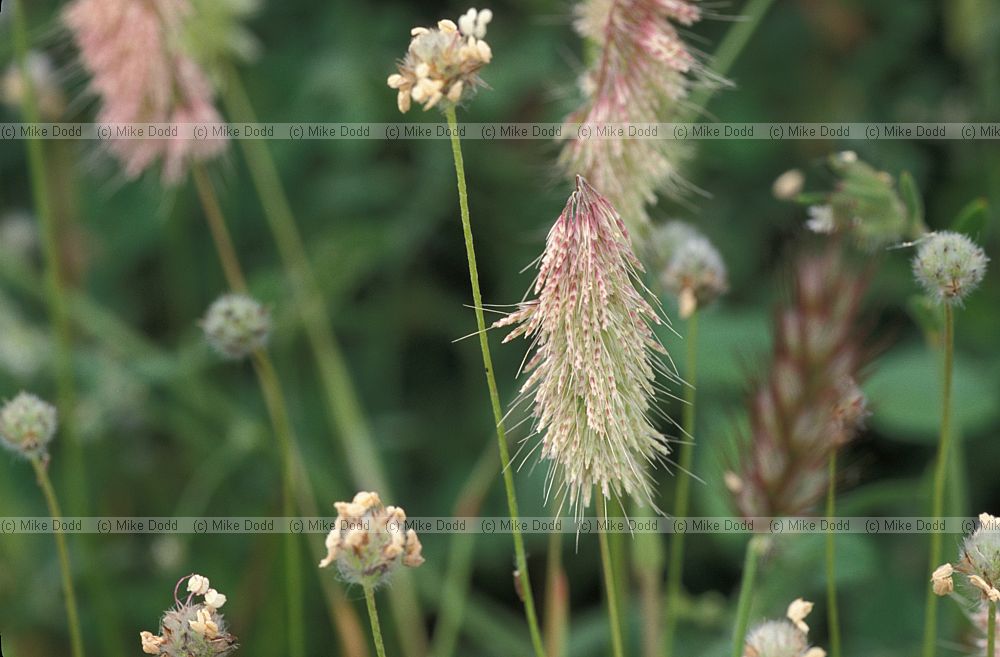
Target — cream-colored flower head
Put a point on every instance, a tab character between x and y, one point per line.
193	627
370	540
979	562
27	425
783	638
442	64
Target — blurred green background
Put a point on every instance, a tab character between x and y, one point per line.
170	429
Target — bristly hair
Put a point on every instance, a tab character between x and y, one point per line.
593	357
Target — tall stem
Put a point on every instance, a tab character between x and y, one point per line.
556	603
833	610
747	583
991	629
940	476
373	617
508	475
76	637
617	644
675	570
276	406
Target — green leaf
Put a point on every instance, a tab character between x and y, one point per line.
972	219
910	194
905	395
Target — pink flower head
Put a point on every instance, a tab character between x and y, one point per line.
592	372
642	74
142	74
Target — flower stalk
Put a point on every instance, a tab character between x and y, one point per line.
755	548
373	618
833	610
617	642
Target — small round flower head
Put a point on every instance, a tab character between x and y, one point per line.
981	553
441	67
193	627
49	96
696	274
370	540
236	326
783	638
949	266
27	425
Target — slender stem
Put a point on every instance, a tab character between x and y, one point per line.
675	572
833	610
991	629
508	476
617	644
940	475
373	617
76	637
555	599
276	406
750	563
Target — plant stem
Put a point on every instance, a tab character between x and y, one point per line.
991	629
940	475
675	570
76	637
833	611
508	476
750	563
276	406
556	603
373	617
617	644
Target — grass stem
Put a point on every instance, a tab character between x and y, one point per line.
373	617
832	608
617	642
991	628
747	583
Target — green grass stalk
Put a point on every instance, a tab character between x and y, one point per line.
611	588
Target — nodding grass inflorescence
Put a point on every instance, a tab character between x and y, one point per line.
641	74
236	325
142	69
192	628
27	425
949	266
788	637
441	66
979	562
370	540
694	271
591	378
810	403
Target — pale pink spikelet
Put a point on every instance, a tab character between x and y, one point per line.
591	374
642	74
142	73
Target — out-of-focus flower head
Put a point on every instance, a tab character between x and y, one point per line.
236	325
787	637
27	425
591	375
48	93
693	269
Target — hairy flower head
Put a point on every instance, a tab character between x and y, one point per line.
193	627
143	72
27	425
694	271
783	638
236	325
949	266
591	376
370	540
441	67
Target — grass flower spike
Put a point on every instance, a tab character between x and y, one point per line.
591	376
949	266
143	72
441	67
192	628
27	425
236	325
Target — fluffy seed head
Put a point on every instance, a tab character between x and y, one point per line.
27	425
441	67
142	70
370	540
192	628
591	374
949	266
236	325
695	272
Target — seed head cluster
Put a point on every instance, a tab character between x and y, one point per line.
949	266
27	425
236	325
591	376
441	67
193	627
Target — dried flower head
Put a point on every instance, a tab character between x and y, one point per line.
591	381
370	540
949	266
941	579
441	67
142	70
783	638
48	94
236	325
27	425
809	403
192	628
694	272
641	75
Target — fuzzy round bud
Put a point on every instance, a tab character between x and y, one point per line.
27	425
370	540
696	274
236	325
949	266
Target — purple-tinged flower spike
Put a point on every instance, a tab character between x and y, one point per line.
787	637
949	266
643	72
809	403
143	73
591	376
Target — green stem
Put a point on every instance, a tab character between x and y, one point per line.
76	637
991	629
833	611
276	406
555	599
940	475
373	617
617	644
750	563
675	570
508	476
